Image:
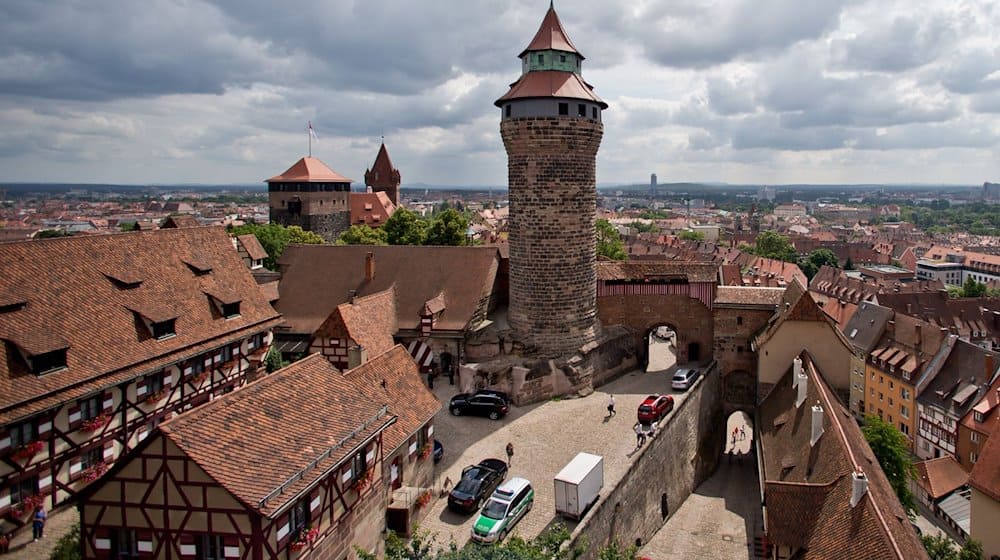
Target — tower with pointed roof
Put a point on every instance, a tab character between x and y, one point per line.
551	129
383	177
312	196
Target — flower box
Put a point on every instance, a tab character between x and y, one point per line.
199	378
425	451
27	450
306	537
95	423
95	472
28	505
155	396
366	480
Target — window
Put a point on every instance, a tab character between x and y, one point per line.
890	418
209	547
48	362
564	108
593	111
91	457
973	456
581	110
904	412
891	386
231	310
880	397
23	433
873	376
890	401
905	394
881	380
360	465
978	416
541	58
298	517
739	320
91	408
506	109
124	544
23	489
974	436
904	428
562	58
154	383
164	329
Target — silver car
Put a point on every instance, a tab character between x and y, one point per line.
683	378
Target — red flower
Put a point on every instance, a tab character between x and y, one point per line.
425	451
155	396
95	423
28	450
95	472
424	499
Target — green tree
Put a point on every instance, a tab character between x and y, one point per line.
773	245
68	545
971	288
50	233
848	264
273	361
943	548
893	454
404	227
609	243
644	227
816	260
447	228
363	235
690	235
275	237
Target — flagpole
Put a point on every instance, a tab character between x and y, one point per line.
309	134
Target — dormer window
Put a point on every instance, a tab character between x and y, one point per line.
979	416
164	329
198	266
231	310
42	352
48	362
227	303
159	320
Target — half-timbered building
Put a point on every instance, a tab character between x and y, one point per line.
102	338
290	467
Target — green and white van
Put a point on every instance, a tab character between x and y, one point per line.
506	506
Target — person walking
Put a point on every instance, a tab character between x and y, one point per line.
38	523
510	453
743	432
639	436
611	405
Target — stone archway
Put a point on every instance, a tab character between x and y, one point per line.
688	317
660	345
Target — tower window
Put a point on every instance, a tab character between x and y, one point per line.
581	110
593	113
564	108
541	58
507	109
562	58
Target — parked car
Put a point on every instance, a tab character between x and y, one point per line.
654	408
438	451
683	378
476	485
492	404
506	507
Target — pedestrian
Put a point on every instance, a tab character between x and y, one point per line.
639	437
743	432
38	522
732	441
611	405
739	457
510	453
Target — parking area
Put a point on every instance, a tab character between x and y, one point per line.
545	436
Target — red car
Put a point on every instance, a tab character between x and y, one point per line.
655	407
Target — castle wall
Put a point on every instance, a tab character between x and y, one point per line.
327	226
688	317
683	454
552	189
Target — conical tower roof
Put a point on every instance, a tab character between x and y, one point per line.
309	170
551	36
382	161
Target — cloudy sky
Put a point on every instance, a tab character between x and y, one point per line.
743	91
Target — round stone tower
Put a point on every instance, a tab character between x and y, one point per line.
551	128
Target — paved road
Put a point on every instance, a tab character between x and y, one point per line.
662	354
546	436
717	522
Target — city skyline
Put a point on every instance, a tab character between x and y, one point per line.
739	91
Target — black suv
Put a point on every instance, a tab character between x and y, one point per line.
477	484
493	404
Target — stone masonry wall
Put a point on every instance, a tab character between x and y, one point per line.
691	320
553	196
682	455
327	226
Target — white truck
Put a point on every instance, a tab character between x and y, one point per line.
578	485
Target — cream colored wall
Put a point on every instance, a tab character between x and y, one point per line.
985	518
829	353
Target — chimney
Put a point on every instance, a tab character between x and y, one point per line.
369	267
918	339
859	486
802	385
989	366
909	309
890	329
817	424
796	371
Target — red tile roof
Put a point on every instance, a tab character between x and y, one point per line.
985	475
551	83
255	440
626	270
369	321
252	246
807	488
318	278
551	36
940	477
309	170
371	209
70	298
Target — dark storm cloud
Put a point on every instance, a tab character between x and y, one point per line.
748	27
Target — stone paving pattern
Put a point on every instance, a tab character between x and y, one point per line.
58	524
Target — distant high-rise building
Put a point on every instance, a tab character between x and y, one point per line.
652	179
